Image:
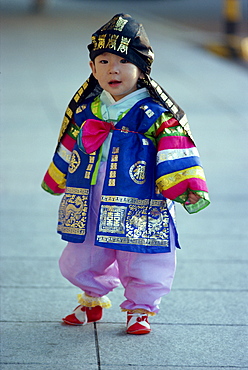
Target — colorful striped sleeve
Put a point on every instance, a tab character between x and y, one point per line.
179	169
54	181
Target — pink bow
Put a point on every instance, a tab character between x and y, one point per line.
94	133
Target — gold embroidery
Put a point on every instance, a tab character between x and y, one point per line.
147	222
81	90
172	179
76	98
69	112
92	159
94	42
63	127
126	200
112	219
101	41
74	162
65	121
113	166
89	168
137	172
73	211
114	158
112	42
72	230
117	23
78	191
125	240
144	222
131	200
111	182
123	47
110	25
85	84
120	24
80	108
74	132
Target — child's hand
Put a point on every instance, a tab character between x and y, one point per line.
193	198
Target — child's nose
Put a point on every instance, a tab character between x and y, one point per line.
113	67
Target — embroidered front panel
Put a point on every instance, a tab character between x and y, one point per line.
143	222
73	211
74	207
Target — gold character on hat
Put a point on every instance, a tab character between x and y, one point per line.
123	47
94	42
112	42
111	24
120	24
101	41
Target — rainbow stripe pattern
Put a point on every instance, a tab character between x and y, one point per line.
54	180
179	169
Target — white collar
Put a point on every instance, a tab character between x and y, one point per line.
107	99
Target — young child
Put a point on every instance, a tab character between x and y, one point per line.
125	153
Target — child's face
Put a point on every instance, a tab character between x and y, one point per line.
115	74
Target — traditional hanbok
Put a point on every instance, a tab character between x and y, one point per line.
121	166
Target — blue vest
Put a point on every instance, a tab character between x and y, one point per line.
133	216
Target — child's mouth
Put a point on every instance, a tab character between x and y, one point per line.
114	83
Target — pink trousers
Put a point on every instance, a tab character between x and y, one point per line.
97	270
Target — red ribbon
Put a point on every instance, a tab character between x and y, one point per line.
94	133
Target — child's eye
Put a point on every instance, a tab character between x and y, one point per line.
103	61
124	61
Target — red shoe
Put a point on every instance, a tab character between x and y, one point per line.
82	315
137	323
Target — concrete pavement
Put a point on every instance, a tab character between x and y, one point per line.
203	322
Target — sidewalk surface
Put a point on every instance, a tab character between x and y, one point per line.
203	321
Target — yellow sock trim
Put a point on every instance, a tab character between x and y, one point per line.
139	310
88	301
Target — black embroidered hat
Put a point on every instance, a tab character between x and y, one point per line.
125	37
